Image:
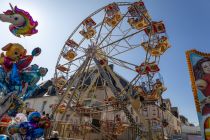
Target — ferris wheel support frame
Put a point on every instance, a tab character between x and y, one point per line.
115	92
85	63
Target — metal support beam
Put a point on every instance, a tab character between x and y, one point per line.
116	93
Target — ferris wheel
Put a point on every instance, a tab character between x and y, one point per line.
110	63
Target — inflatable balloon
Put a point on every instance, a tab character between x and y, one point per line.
15	107
17	77
31	76
37	133
3	84
20	117
31	129
5	121
21	22
13	129
25	128
13	53
34	117
25	61
44	123
4	137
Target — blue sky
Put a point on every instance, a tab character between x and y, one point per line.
187	24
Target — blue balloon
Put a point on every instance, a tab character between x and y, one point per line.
34	117
3	83
25	128
15	107
4	137
14	77
32	76
37	133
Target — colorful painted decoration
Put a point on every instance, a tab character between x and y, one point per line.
153	95
21	22
88	31
159	49
137	7
112	9
138	24
199	68
71	43
60	82
70	55
147	68
139	16
62	68
113	15
157	27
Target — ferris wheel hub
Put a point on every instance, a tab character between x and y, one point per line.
91	50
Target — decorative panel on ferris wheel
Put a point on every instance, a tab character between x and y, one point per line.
113	15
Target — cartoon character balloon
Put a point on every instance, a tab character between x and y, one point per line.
21	22
31	76
17	77
31	129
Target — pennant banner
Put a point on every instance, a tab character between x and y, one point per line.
199	68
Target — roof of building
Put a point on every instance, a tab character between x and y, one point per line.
45	88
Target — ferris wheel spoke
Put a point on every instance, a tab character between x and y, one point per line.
93	81
87	71
80	75
123	35
114	46
121	65
121	61
110	49
124	51
100	29
81	49
125	39
68	85
112	29
122	38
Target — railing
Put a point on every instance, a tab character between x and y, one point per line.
71	131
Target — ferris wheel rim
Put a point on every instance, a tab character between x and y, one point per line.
92	14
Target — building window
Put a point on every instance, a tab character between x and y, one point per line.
43	105
137	119
154	123
145	113
131	110
67	117
27	105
